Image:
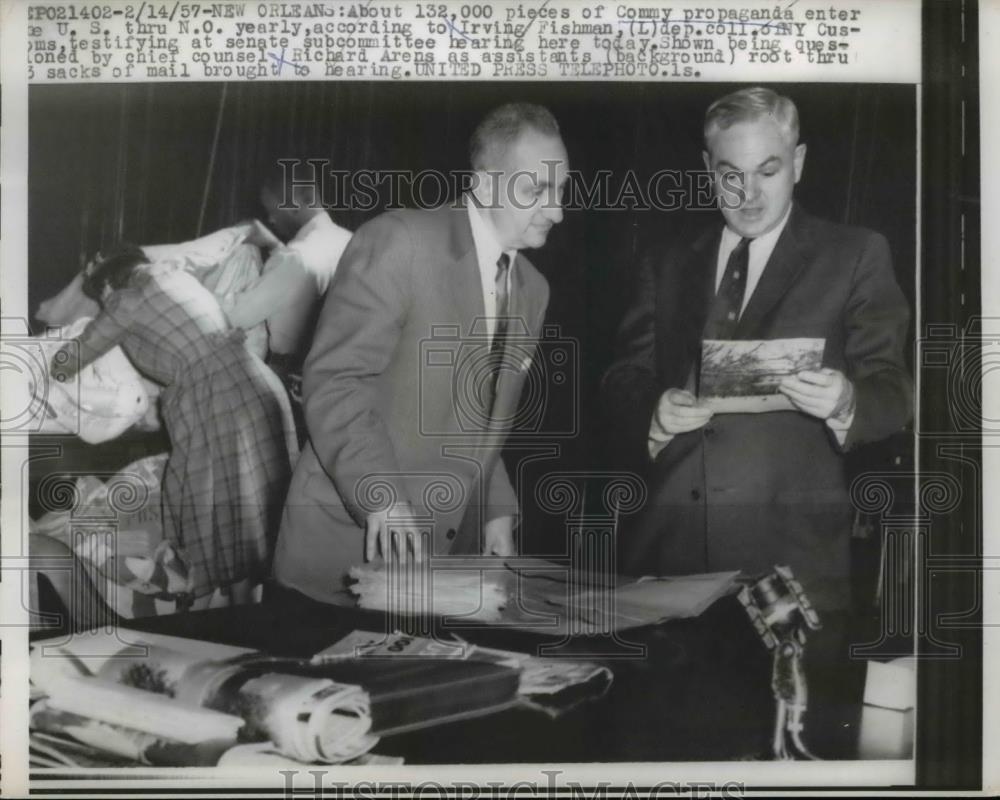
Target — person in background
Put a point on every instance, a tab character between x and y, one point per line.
232	443
296	274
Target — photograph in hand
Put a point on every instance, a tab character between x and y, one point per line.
744	376
405	400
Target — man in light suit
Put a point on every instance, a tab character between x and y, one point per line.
409	387
746	491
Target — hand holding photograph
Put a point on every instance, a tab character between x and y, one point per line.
387	385
742	377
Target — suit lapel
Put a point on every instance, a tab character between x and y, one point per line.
697	280
464	290
523	303
702	276
467	292
783	267
697	292
463	298
465	284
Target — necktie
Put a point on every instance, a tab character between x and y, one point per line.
503	266
502	311
725	312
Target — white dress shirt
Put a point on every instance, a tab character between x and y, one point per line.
760	251
294	279
488	251
320	242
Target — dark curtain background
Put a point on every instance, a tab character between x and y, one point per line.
167	162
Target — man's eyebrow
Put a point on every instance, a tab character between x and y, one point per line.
769	161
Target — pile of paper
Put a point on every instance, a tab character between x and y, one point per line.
413	589
646	601
588	603
165	700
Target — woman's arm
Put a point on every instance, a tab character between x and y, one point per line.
102	333
68	306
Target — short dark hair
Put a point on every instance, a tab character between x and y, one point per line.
286	176
285	171
501	127
750	104
112	268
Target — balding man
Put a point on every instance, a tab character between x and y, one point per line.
387	426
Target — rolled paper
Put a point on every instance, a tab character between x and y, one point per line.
309	719
141	710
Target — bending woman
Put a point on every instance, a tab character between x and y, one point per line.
230	427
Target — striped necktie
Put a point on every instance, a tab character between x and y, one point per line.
502	312
724	315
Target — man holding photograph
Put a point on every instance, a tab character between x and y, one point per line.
741	490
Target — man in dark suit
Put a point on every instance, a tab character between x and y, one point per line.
415	372
746	491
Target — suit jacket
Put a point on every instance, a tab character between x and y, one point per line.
750	490
396	402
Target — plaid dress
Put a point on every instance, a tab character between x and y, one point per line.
227	415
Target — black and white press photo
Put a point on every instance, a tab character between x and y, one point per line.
572	396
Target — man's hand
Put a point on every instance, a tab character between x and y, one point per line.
824	394
498	537
391	532
677	412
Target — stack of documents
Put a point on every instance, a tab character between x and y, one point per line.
167	700
414	589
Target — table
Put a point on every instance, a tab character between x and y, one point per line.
700	692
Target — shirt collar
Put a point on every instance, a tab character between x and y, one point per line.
314	223
484	237
763	243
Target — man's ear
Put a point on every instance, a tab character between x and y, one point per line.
707	159
800	160
483	183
